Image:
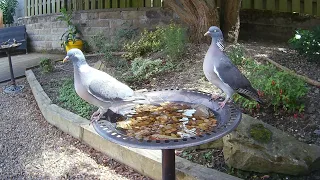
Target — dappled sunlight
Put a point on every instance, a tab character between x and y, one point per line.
62	161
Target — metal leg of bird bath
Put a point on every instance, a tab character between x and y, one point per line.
14	87
13	82
168	164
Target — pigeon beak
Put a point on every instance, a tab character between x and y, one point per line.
207	33
65	59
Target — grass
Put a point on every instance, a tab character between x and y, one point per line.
69	99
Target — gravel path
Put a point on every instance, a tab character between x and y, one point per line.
30	148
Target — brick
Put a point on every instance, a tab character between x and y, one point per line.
132	14
92	30
84	16
110	15
93	15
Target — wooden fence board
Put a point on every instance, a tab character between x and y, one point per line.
296	6
123	3
35	7
147	3
258	4
100	4
156	3
318	7
283	5
246	4
308	6
271	5
114	4
93	4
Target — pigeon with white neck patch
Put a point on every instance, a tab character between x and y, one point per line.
97	87
220	71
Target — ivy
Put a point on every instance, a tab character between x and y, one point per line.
8	9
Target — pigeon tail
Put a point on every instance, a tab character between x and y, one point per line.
139	98
250	94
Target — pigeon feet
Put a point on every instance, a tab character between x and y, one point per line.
95	116
214	97
222	104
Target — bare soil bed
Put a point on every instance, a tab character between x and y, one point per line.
305	127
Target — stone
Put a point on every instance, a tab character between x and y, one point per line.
218	144
110	15
272	151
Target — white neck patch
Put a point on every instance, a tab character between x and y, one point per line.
220	44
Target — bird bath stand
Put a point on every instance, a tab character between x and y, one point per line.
228	119
8	48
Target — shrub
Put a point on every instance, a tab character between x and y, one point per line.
307	42
69	99
236	54
171	39
46	65
8	8
174	40
279	88
150	41
143	69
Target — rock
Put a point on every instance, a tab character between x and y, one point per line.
218	144
316	91
272	151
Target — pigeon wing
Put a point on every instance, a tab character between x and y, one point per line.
109	90
231	75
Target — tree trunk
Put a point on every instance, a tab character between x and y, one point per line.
199	15
231	20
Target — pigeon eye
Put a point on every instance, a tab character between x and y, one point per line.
215	30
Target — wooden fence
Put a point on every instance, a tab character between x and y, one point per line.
311	7
37	7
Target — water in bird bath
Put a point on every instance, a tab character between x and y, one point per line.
166	121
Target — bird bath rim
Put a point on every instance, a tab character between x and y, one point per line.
228	119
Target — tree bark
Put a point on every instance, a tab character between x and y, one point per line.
231	20
199	15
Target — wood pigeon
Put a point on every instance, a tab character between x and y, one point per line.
220	71
99	88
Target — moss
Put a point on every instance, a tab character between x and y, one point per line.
308	160
259	133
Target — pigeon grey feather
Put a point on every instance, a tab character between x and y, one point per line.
220	71
99	88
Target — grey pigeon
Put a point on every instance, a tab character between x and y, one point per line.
97	87
220	71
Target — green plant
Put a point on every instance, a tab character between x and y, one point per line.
150	41
236	54
69	99
174	40
279	88
143	69
307	42
46	65
72	33
259	133
8	9
171	39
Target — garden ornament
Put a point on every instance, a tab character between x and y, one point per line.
220	71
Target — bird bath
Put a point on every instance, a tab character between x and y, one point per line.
8	48
228	119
